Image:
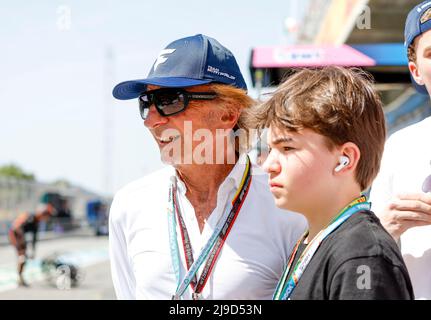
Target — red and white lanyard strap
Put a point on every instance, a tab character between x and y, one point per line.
215	243
187	245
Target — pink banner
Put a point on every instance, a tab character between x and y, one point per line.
309	56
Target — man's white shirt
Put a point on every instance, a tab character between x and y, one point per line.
250	262
405	164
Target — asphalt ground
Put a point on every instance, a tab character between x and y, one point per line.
87	252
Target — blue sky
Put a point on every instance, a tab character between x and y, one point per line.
54	93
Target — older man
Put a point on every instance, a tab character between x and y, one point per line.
205	227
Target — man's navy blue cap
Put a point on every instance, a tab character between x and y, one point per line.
414	28
187	62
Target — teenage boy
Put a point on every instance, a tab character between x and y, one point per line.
401	193
326	136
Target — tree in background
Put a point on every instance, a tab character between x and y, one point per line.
14	171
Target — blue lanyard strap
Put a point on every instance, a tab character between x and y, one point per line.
284	288
173	244
213	246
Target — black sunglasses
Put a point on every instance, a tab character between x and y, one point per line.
170	101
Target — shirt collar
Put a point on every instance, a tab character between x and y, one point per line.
238	170
234	176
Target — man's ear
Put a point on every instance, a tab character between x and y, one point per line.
229	118
416	74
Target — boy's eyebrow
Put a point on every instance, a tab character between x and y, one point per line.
279	140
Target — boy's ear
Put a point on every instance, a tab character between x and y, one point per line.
416	74
351	151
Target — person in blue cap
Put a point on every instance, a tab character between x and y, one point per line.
205	226
401	193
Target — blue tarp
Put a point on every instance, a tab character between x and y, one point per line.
385	54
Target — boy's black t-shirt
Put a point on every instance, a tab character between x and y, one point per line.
359	260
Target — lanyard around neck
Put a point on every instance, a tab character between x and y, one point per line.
213	246
284	288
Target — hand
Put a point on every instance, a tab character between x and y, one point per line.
406	211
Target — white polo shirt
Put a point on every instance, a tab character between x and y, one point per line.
405	165
249	264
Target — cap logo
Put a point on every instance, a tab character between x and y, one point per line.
161	58
419	10
217	71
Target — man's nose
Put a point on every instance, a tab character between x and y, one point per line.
154	119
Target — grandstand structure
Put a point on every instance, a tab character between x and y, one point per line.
354	33
17	196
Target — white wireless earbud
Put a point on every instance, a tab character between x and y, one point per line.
344	161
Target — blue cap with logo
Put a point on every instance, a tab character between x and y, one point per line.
414	28
187	62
